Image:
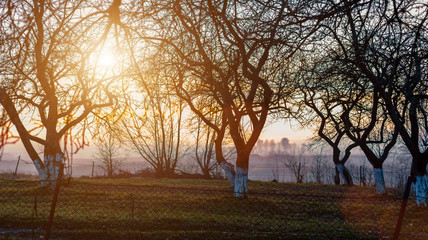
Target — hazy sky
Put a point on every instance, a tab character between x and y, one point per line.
280	129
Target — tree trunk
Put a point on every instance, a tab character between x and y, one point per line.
8	105
110	171
227	167
420	180
241	175
241	182
230	172
206	172
159	172
336	176
420	188
379	181
344	174
49	173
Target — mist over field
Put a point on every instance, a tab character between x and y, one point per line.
263	167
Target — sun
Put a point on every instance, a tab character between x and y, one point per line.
106	60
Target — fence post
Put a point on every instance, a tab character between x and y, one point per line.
35	206
403	208
54	200
16	169
32	216
132	209
93	166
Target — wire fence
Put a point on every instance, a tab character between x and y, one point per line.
85	210
262	168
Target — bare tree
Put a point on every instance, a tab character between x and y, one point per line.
108	152
322	95
204	148
352	107
364	117
47	79
154	125
319	168
373	131
237	54
295	161
386	42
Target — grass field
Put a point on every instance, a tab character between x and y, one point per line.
137	208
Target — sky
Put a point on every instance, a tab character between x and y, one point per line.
282	128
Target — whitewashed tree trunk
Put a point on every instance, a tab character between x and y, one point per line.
49	172
43	174
230	172
379	181
241	182
420	188
342	169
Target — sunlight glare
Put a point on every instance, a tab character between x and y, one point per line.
106	60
